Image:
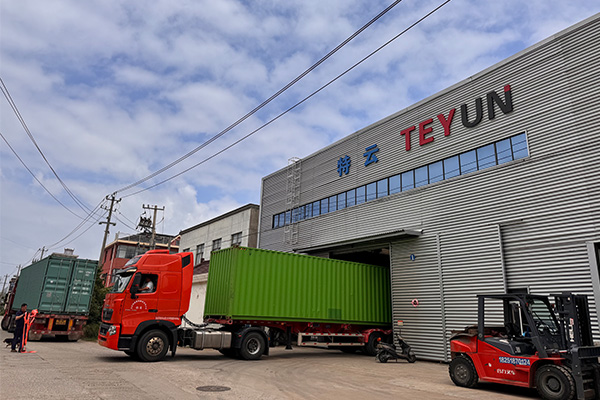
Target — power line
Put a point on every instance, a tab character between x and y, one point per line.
295	105
264	103
8	97
35	177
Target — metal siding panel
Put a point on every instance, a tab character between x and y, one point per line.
555	191
418	279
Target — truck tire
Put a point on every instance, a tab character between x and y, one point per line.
231	353
153	346
555	382
253	346
370	348
5	322
463	372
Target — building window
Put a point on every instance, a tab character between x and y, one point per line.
360	194
199	253
332	203
486	156
216	245
186	250
468	162
341	201
236	239
483	157
519	146
436	172
451	167
408	180
382	188
395	184
324	206
351	197
371	191
421	176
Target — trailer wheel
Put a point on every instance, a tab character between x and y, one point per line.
555	382
253	346
463	372
5	323
371	347
153	346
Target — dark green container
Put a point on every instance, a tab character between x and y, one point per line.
255	284
57	284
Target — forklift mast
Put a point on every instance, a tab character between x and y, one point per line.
574	317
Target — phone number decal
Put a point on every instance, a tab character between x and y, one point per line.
514	361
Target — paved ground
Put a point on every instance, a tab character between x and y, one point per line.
85	370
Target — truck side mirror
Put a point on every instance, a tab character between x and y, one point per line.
135	285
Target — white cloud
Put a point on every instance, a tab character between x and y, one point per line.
113	91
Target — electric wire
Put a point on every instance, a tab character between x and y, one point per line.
15	109
38	181
264	103
294	106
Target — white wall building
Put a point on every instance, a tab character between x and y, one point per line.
489	186
238	227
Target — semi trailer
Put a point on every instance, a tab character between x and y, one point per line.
254	299
60	288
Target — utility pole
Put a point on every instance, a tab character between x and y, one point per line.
4	284
43	249
155	208
108	223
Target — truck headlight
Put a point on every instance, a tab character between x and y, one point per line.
112	330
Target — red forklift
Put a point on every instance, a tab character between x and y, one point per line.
536	345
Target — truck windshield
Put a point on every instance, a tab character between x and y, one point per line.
133	261
121	282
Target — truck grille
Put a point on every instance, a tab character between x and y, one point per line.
107	314
103	328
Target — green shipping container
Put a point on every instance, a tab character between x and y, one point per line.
57	284
255	284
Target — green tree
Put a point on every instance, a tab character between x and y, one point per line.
95	317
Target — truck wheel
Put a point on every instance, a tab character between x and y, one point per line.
153	346
253	346
463	372
231	353
5	323
371	347
555	382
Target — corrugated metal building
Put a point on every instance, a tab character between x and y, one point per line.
491	185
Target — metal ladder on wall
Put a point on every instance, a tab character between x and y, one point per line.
292	202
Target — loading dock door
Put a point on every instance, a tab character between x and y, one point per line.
416	296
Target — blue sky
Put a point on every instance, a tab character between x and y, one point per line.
113	91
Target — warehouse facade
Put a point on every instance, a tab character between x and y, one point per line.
491	185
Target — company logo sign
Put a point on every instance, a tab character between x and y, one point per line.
426	130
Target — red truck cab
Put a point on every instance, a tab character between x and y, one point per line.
133	318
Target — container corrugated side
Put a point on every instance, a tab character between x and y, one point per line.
30	284
81	286
255	284
57	285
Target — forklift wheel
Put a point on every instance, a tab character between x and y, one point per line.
555	382
463	372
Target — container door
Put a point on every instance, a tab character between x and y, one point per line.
56	285
81	287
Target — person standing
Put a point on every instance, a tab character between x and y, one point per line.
19	325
